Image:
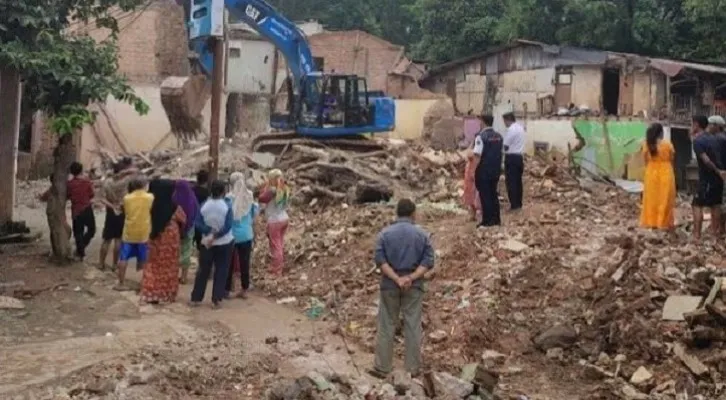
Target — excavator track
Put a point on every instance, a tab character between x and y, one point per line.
276	143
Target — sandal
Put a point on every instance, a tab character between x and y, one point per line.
122	288
377	374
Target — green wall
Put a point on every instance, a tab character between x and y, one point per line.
625	138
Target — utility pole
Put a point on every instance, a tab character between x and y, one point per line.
214	123
10	96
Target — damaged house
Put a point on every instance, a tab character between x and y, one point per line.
619	94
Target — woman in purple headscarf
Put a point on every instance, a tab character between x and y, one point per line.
185	198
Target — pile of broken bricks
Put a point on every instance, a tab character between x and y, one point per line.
474	384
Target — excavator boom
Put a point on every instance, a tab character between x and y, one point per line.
309	114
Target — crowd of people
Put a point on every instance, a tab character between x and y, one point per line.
159	224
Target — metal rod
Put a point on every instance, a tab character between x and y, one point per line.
214	123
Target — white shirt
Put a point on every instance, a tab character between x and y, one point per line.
214	212
514	139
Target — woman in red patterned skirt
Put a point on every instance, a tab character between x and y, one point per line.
160	282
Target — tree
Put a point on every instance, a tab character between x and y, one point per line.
63	74
456	29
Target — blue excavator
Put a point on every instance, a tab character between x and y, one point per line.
320	105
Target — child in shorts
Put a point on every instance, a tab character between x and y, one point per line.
137	228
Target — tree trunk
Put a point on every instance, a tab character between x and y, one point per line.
9	125
63	156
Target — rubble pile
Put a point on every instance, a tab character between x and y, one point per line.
356	178
207	366
569	284
399	385
365	171
568	288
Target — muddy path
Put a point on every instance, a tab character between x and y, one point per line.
76	321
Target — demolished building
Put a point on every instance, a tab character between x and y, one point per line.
550	87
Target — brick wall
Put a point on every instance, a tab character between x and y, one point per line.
152	45
152	42
355	52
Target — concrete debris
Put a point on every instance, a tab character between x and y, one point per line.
693	363
11	303
640	376
438	336
514	246
400	385
676	306
449	385
632	393
557	336
264	160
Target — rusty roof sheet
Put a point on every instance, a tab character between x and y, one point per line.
673	67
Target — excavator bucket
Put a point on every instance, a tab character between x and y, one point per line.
183	99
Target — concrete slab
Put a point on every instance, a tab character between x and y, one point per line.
676	306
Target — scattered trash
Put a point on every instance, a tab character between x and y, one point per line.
315	308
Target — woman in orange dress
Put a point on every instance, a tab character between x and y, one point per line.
160	281
470	198
659	194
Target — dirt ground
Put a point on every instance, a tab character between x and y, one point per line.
74	326
565	301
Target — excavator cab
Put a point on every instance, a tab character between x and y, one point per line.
334	101
335	105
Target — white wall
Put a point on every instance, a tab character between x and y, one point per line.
250	66
519	87
587	86
137	132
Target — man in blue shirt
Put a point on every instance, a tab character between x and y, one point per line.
404	254
710	177
488	146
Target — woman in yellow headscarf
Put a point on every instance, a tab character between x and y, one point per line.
659	183
275	194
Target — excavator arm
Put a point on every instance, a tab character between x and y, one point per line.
183	98
266	21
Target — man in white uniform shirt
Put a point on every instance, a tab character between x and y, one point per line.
514	160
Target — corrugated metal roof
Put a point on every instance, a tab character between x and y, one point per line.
567	55
673	67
